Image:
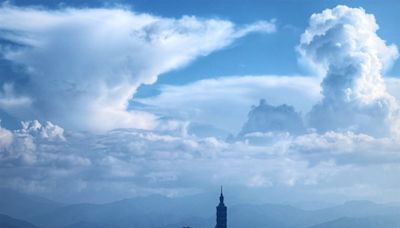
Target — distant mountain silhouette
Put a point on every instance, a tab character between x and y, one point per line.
9	222
87	225
364	222
23	206
194	211
151	211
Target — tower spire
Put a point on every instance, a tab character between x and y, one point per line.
221	212
221	197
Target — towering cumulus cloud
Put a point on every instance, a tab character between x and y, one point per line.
80	67
343	45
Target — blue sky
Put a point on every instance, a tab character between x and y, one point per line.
255	54
102	100
263	54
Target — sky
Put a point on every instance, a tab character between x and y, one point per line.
280	101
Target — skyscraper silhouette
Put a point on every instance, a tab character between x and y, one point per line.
221	212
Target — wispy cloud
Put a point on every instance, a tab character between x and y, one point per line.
206	101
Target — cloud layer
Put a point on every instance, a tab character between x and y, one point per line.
80	67
42	159
206	101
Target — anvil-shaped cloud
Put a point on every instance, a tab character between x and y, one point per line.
80	67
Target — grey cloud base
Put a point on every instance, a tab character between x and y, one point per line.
267	118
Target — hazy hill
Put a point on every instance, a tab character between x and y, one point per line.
9	222
364	222
23	206
195	211
151	211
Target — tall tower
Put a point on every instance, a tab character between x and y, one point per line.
221	212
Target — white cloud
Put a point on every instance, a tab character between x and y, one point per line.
207	101
9	101
19	147
6	138
83	65
393	86
144	162
343	45
48	131
42	158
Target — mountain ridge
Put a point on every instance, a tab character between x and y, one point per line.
197	211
